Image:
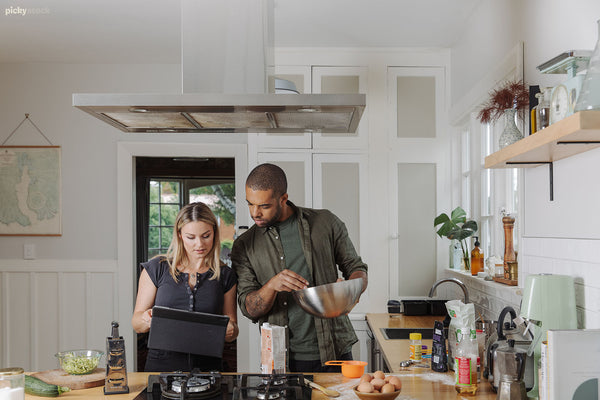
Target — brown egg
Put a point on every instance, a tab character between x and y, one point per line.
379	375
366	378
365	387
387	378
388	388
377	383
394	380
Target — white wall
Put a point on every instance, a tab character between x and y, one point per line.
89	157
562	236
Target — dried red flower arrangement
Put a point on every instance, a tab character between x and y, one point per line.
513	94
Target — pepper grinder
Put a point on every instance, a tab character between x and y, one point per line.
116	369
509	251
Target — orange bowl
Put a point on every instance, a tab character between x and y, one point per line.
350	368
376	396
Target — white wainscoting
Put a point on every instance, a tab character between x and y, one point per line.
48	306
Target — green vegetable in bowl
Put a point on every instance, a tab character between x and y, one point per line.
78	365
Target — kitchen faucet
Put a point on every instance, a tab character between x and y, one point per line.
459	283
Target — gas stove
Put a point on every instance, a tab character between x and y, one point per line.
214	386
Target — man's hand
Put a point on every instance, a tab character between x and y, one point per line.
260	302
287	281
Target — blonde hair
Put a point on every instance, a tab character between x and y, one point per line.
176	254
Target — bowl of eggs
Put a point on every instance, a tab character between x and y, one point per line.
377	386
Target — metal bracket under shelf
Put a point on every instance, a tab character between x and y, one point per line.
550	172
550	163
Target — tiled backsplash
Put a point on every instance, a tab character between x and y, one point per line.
579	258
575	257
489	297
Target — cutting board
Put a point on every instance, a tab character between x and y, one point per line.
74	382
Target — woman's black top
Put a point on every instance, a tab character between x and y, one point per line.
207	296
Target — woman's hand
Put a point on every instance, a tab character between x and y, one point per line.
232	331
147	318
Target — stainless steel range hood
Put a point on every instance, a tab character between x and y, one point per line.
227	64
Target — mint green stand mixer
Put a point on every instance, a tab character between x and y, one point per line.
548	303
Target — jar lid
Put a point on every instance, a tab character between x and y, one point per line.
414	336
11	371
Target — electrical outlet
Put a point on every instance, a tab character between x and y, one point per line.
29	251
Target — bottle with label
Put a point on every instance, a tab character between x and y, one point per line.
476	258
542	117
416	347
465	368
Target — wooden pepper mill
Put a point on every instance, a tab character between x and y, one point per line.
509	251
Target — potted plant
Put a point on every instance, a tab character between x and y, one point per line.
458	228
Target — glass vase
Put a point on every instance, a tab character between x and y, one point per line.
589	96
511	133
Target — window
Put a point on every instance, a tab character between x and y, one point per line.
486	194
168	196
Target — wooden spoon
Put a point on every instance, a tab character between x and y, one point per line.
326	392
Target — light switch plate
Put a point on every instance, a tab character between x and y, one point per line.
29	251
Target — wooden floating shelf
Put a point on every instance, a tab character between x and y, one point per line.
559	140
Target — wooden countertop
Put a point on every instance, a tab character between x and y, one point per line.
418	382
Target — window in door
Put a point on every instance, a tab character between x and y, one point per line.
168	196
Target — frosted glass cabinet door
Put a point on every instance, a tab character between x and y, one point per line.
342	80
298	171
416	102
340	182
301	76
413	248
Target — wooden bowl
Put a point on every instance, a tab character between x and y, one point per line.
376	396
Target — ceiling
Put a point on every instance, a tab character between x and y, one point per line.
148	31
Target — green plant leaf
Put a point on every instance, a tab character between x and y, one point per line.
458	215
440	219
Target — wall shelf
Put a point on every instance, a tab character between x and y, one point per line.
575	134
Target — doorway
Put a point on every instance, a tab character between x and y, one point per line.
163	186
127	220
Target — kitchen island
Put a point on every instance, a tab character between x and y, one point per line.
416	384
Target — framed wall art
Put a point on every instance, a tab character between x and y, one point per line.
30	191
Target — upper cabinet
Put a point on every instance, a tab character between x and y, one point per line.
573	135
342	80
326	80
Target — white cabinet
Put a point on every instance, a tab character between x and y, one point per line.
361	350
343	80
327	80
416	175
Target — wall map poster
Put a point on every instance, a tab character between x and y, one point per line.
30	191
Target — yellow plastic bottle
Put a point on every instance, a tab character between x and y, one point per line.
416	347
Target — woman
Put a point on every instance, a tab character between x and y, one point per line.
191	277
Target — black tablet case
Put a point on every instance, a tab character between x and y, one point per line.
187	331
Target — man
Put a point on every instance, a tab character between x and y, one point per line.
290	248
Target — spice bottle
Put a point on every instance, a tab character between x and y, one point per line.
416	349
476	258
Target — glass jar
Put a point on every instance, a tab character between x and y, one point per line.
589	96
12	384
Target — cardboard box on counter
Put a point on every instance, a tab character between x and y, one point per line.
573	364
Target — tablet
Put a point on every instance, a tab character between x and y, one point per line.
187	331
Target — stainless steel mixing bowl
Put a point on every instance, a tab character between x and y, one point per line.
330	300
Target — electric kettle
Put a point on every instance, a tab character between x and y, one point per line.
510	363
